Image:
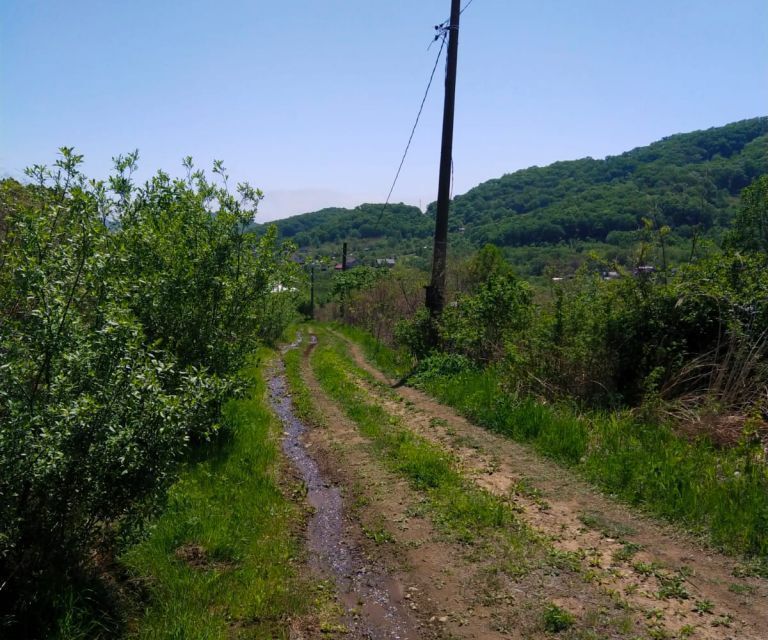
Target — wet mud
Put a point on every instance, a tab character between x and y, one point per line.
374	602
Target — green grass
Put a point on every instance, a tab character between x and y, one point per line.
303	404
396	363
556	619
219	560
720	492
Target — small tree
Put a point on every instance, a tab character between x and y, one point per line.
750	226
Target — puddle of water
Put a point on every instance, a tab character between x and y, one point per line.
374	602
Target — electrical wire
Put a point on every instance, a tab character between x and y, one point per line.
415	124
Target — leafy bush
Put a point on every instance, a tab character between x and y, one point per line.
441	364
124	315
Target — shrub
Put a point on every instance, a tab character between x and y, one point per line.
124	316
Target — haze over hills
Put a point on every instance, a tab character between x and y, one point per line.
689	181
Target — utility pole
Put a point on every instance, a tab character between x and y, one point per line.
436	290
312	292
343	268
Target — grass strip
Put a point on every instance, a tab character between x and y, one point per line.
219	561
459	507
303	404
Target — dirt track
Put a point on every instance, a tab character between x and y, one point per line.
633	578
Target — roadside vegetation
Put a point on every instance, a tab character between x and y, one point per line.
127	313
221	562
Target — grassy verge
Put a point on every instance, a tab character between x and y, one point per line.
720	493
396	363
219	561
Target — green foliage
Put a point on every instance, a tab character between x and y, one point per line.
693	180
221	555
723	492
555	216
367	221
556	619
124	315
750	225
352	280
441	364
479	325
415	333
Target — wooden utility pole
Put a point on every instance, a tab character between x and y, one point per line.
436	290
312	291
343	268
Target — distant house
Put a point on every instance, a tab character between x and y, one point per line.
644	270
351	264
385	262
280	288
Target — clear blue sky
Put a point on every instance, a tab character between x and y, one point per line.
313	101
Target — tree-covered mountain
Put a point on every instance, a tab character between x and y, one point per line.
684	181
396	222
689	181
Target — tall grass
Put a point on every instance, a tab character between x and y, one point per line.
218	563
722	492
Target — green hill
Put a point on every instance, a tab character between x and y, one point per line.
685	180
689	181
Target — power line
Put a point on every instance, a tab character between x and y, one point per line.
466	6
418	116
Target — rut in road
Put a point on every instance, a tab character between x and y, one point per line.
683	586
372	600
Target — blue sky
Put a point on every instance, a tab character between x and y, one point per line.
313	101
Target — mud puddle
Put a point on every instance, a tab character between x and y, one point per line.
374	602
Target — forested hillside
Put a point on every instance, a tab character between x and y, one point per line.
396	222
689	182
685	181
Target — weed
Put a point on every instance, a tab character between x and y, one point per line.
556	619
609	528
703	606
741	589
627	552
753	568
564	560
672	588
723	621
646	568
686	631
378	533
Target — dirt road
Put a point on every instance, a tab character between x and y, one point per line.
580	566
